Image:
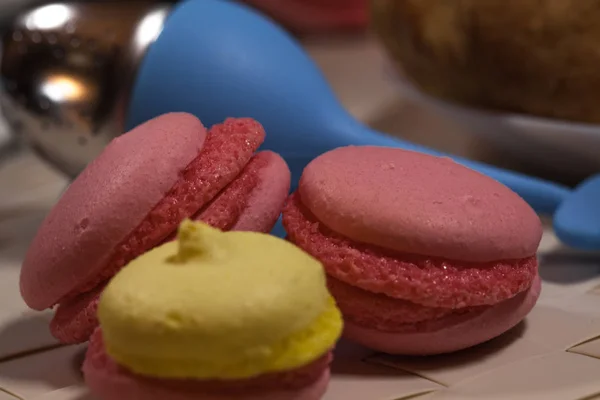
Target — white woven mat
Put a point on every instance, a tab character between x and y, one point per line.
553	355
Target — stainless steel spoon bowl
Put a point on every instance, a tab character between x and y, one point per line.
67	70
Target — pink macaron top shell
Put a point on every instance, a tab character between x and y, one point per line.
97	210
416	203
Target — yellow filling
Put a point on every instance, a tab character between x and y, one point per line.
219	305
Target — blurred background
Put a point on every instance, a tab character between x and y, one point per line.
509	82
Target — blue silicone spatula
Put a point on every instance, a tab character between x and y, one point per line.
219	59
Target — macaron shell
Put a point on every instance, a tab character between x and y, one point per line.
226	207
109	381
416	203
457	335
75	321
425	280
268	196
226	151
95	213
253	201
378	310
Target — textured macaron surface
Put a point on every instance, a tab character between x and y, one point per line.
448	334
130	199
75	320
419	204
227	150
98	211
253	201
424	280
385	313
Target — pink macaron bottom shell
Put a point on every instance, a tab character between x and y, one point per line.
424	280
75	320
110	381
451	333
384	313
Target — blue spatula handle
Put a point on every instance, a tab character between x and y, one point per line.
576	222
240	64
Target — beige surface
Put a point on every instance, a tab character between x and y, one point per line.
555	354
367	85
7	396
360	75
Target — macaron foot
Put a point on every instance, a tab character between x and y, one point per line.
387	314
429	281
75	319
449	334
111	381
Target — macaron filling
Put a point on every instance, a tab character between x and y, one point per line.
296	350
155	312
206	186
377	287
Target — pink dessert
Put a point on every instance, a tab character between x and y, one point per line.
133	197
423	255
111	381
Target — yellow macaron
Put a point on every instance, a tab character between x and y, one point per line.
223	305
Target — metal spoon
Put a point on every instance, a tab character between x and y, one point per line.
67	70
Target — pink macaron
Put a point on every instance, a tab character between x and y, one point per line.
424	256
132	198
